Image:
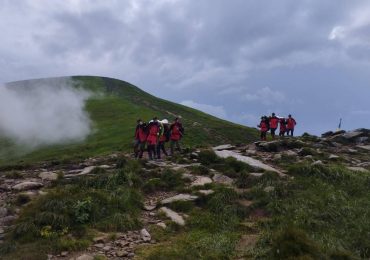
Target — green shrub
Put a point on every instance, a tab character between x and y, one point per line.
292	243
22	199
208	157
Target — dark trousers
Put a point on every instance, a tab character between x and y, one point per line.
173	144
273	130
281	133
160	147
263	135
139	148
290	132
152	151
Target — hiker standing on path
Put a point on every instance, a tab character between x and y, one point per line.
164	137
264	126
152	140
273	121
282	123
140	138
177	132
290	125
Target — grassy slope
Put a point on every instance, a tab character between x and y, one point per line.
114	116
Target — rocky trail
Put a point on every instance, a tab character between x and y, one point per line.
17	187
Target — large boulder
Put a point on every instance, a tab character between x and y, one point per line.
179	197
27	185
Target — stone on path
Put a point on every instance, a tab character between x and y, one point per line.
27	185
357	169
179	197
206	192
222	179
175	217
248	160
223	147
162	225
201	181
85	257
365	147
48	176
145	236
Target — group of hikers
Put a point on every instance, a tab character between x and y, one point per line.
272	122
154	135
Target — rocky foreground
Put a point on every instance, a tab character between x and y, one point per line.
20	187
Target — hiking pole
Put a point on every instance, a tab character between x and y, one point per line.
340	124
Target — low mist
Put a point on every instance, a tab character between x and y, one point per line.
43	112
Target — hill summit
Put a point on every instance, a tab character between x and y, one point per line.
113	108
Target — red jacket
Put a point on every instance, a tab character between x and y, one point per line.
164	136
264	126
291	123
274	122
153	133
140	133
176	133
282	125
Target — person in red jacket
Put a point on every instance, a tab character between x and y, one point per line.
163	138
140	138
282	123
152	140
264	126
291	123
273	121
177	132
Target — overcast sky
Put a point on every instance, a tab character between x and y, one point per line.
236	59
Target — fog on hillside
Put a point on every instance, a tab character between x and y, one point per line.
39	113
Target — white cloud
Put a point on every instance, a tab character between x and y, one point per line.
266	96
43	114
217	111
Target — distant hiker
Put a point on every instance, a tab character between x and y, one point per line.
164	137
290	125
264	127
152	140
177	132
282	123
140	138
273	121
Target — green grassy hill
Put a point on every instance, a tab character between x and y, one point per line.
114	116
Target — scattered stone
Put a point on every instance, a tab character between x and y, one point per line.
256	174
162	225
107	248
121	253
224	147
245	203
201	181
175	217
1	230
357	169
3	212
319	162
222	179
101	239
48	176
269	189
27	185
352	150
277	157
64	253
248	160
145	236
149	207
333	157
365	147
7	220
309	157
179	197
131	255
99	245
205	192
87	170
85	257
